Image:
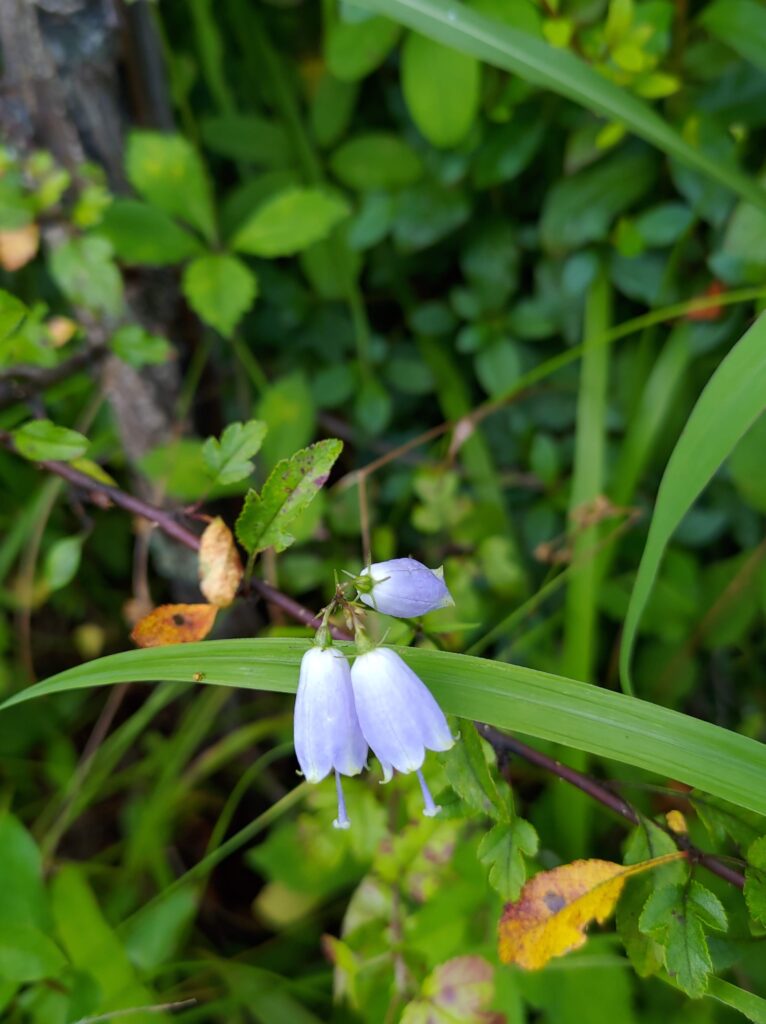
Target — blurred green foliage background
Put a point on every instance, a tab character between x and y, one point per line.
505	300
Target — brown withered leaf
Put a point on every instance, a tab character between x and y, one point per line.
18	246
174	624
220	567
550	916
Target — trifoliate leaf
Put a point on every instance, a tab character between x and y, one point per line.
229	458
503	849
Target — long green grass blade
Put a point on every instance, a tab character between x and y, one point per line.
732	400
562	72
581	716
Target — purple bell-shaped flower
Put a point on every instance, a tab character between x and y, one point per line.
399	718
403	587
327	733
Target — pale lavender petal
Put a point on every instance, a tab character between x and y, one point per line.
327	733
398	716
405	588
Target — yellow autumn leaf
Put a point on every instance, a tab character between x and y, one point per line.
676	822
554	908
220	567
174	624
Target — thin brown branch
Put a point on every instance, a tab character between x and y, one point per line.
22	382
597	791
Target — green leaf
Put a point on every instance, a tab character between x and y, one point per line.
599	194
287	409
503	849
138	347
741	24
291	487
247	137
27	954
469	775
748	1004
220	289
722	818
378	160
23	903
732	400
143	234
62	562
548	67
93	946
687	957
168	172
676	914
229	459
154	933
646	841
179	468
12	312
85	272
289	222
755	880
533	703
441	87
354	49
41	439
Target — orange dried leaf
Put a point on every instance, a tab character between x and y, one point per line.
220	567
174	624
706	312
18	246
550	916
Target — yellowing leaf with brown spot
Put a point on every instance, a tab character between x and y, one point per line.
18	246
174	624
220	567
550	916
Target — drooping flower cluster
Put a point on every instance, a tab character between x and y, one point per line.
379	702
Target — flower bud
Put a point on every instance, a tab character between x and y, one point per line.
403	587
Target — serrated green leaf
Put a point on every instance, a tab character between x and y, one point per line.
290	488
755	880
169	173
675	915
503	849
707	907
220	289
41	439
229	458
290	222
687	957
469	775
